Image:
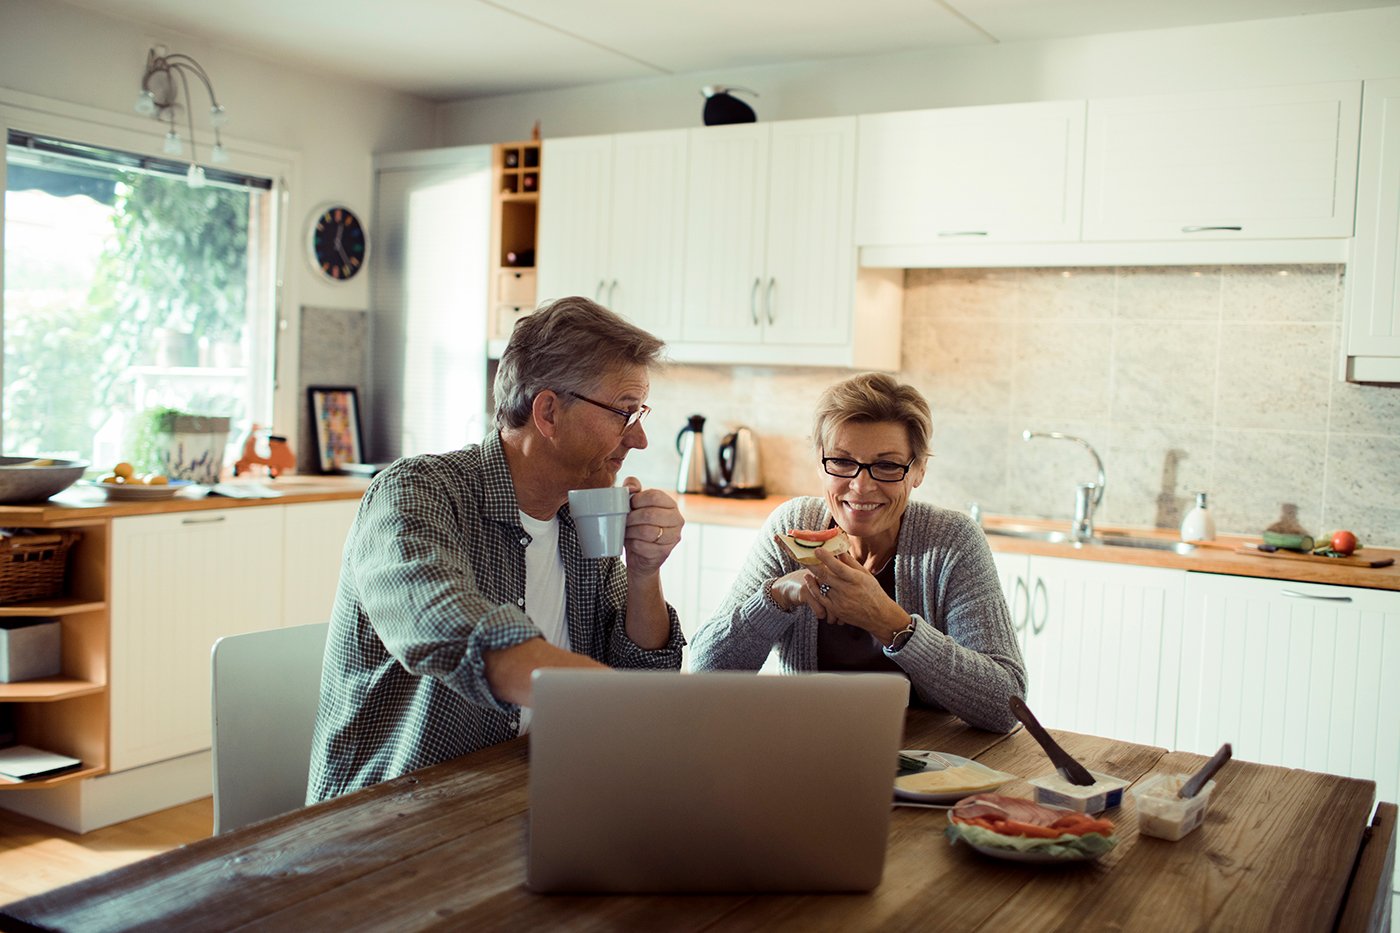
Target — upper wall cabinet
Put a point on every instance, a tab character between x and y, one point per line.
1373	287
769	256
1262	163
1004	174
612	224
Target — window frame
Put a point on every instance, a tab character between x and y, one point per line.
143	136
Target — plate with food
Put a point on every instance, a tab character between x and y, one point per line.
140	492
942	778
1021	830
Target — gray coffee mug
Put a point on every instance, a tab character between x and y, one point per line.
600	518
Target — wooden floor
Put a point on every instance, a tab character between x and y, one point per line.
37	857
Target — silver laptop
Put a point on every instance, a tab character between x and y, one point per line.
653	781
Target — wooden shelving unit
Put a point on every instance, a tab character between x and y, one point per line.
67	713
515	177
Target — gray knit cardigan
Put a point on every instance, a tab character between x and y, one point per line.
963	656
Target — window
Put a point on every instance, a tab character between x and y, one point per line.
126	289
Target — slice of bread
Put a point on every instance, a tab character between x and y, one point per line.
805	552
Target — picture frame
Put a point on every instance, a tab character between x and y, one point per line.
335	413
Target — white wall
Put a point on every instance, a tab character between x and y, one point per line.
330	127
1264	52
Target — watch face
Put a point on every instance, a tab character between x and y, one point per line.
338	243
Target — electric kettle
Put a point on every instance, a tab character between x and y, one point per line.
694	474
740	471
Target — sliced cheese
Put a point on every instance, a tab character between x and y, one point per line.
949	781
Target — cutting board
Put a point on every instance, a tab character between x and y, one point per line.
1352	561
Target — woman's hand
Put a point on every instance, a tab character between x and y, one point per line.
849	594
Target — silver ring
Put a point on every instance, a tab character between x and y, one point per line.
825	588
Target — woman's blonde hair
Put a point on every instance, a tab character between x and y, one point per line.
873	398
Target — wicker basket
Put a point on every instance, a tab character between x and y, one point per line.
32	565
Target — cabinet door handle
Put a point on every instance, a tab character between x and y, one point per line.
753	301
1019	622
952	233
612	295
202	521
768	300
598	292
1207	229
1331	599
1045	600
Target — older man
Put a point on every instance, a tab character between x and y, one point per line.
462	574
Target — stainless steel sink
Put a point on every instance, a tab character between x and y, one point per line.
1109	539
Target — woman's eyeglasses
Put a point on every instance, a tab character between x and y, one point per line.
636	416
882	471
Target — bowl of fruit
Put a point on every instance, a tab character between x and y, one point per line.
34	479
125	484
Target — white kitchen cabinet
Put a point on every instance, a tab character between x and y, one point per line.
1252	164
179	581
770	268
1302	675
701	570
611	226
1373	286
1010	173
1101	643
313	541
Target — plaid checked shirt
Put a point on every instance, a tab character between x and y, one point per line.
433	576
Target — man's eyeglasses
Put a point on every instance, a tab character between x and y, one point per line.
882	471
636	416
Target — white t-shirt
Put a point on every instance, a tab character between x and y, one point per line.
544	588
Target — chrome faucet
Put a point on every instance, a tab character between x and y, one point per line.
1087	496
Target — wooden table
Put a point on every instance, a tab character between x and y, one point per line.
444	848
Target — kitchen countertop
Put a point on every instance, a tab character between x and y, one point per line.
79	505
1218	556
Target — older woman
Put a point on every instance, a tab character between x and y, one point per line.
917	593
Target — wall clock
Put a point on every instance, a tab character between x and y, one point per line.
337	242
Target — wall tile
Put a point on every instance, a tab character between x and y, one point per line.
1258	473
1276	376
1169	293
968	465
961	365
1068	294
1362	492
1164	371
966	293
1154	472
1059	373
1280	293
1365	409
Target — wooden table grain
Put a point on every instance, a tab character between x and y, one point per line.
444	848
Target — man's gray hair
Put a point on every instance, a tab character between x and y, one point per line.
567	345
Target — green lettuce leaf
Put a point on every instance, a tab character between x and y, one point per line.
1066	846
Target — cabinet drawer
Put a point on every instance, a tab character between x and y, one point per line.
516	287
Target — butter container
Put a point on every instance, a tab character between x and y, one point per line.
1105	793
1162	813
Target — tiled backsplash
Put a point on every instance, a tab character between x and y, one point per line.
1183	378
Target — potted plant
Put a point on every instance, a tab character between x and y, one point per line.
179	444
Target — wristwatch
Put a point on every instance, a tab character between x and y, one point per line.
901	637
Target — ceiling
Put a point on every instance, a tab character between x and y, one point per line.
454	49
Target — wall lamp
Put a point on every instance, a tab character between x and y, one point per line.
160	98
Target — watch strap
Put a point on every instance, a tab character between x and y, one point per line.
901	637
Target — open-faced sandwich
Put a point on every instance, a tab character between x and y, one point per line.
1011	826
805	544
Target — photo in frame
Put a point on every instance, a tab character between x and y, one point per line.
335	412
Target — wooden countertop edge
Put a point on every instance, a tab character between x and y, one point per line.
1214	557
78	507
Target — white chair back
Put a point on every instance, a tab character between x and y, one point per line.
266	689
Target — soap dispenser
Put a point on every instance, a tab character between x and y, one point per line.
1199	524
